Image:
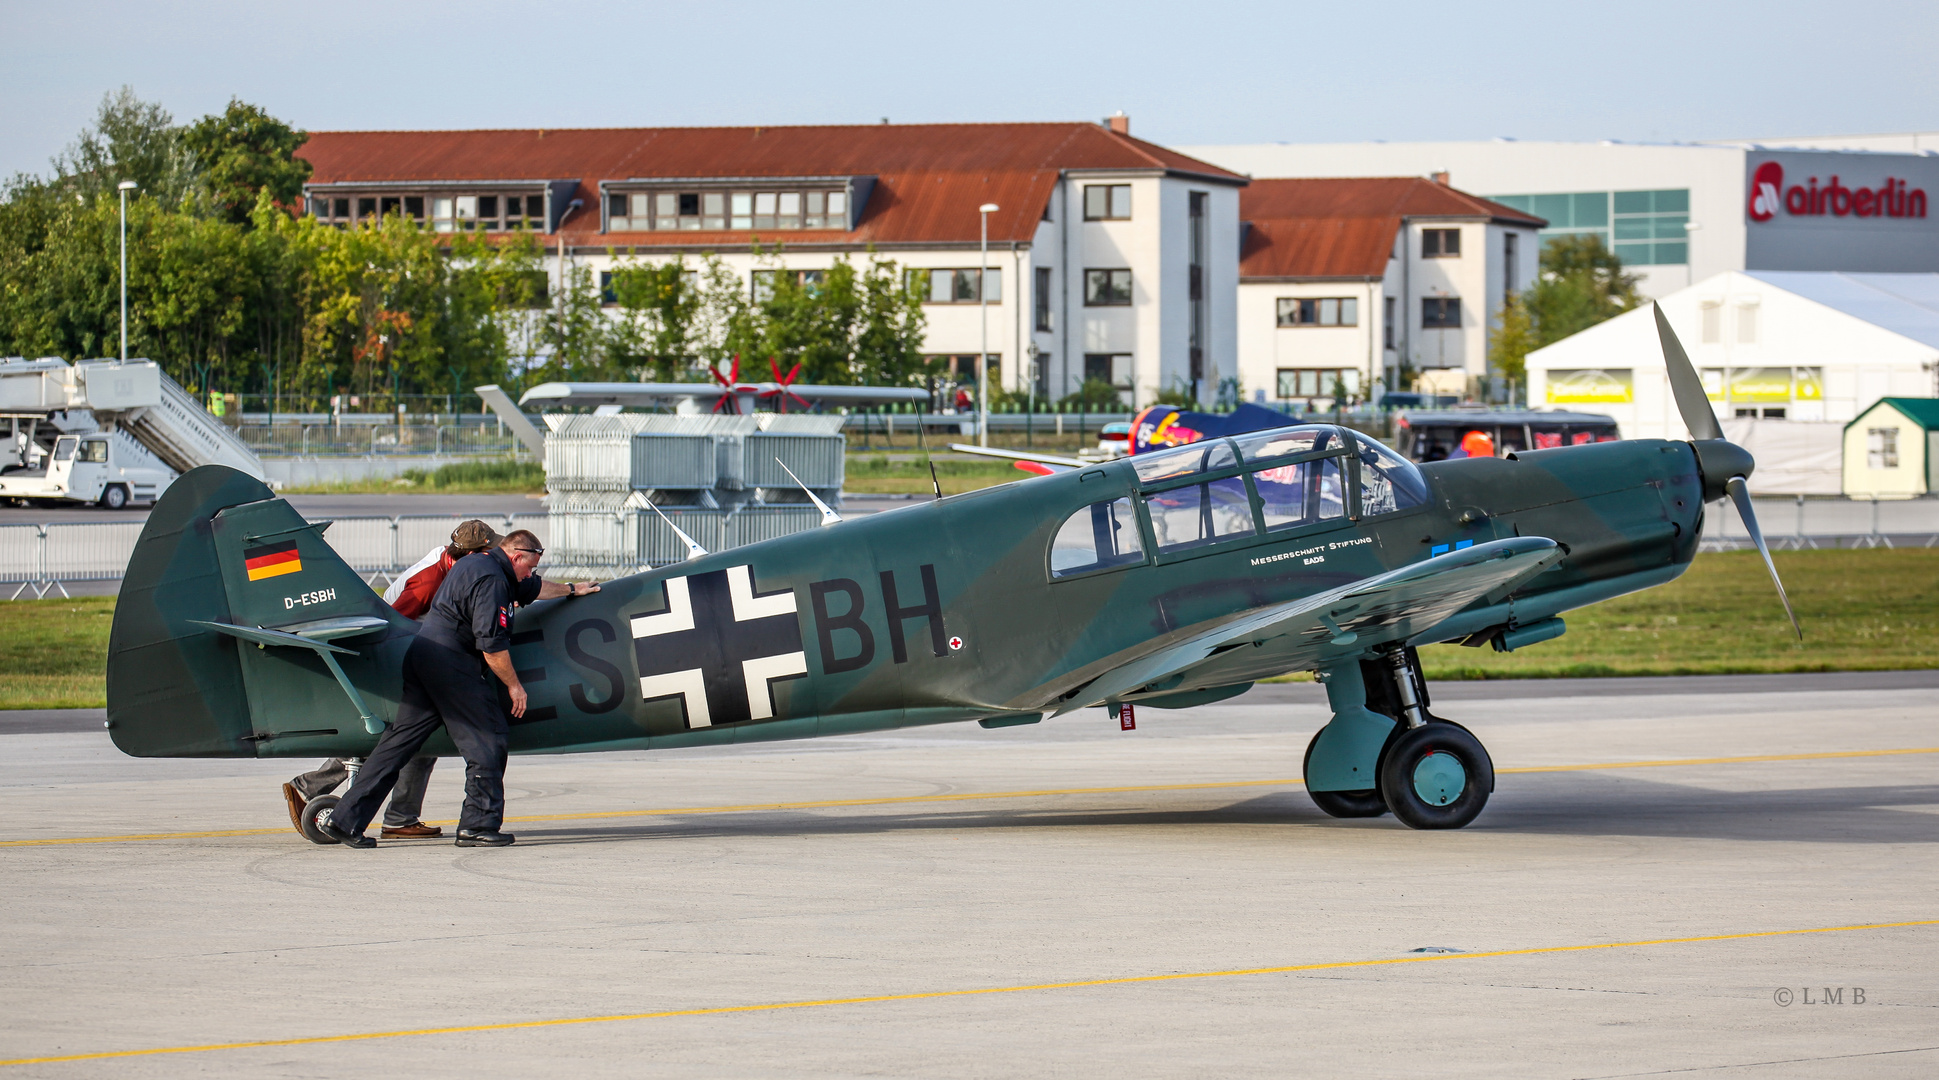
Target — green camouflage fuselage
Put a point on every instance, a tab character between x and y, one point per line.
936	612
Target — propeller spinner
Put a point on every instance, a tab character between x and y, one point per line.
1725	465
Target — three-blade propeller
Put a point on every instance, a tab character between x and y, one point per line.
1725	465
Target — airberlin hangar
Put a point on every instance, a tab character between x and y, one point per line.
1677	213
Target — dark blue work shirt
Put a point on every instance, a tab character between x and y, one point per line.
472	611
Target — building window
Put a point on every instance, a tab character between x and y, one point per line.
957	286
1713	323
1113	368
1319	311
1649	227
448	213
1509	242
1643	228
762	282
1107	288
1317	382
1882	448
1441	313
1440	243
713	211
1107	202
1041	301
1387	324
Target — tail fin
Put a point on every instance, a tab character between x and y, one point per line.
221	548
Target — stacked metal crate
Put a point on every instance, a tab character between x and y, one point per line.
615	482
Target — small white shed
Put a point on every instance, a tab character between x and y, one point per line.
1890	449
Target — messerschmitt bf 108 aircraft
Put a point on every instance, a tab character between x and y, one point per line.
1167	579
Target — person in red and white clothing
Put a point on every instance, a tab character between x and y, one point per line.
410	593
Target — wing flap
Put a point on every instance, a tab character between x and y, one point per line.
1387	607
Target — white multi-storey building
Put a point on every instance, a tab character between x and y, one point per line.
1344	284
1109	257
1676	213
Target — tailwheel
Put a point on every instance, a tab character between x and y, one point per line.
313	810
1436	776
1342	804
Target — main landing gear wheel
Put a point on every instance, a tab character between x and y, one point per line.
314	809
1436	776
1342	804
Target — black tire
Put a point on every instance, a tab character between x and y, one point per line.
314	809
115	497
1342	804
1436	776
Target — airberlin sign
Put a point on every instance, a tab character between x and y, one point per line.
1890	199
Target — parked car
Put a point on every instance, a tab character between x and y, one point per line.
85	469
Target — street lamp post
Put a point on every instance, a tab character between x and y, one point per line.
125	186
983	304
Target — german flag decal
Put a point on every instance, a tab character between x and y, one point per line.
272	560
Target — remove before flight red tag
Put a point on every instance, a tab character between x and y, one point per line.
1127	721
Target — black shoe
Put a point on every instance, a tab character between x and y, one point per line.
484	838
356	840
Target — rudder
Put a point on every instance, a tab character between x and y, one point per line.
221	548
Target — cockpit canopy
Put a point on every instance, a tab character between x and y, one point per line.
1218	490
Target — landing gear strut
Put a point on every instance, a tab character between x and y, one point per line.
1385	751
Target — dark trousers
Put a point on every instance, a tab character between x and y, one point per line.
406	799
442	686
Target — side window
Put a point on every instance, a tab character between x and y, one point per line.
1199	514
1100	535
95	451
64	449
1302	494
1388	482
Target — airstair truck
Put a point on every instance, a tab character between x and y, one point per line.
105	431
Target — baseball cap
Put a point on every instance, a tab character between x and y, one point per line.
473	536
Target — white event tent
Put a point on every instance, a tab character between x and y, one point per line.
1788	357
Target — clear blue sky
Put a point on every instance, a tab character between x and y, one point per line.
1194	72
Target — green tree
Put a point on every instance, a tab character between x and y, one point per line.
1582	283
655	323
1095	395
130	140
245	152
1513	340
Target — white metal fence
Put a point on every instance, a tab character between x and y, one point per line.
40	558
1798	522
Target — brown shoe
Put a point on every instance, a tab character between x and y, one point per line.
296	805
416	830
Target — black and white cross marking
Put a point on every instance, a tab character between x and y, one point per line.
718	645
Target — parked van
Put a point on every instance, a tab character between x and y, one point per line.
1437	435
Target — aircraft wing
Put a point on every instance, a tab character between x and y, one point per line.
1041	464
1303	633
853	395
645	393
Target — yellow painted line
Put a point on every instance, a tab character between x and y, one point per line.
1744	760
894	800
935	994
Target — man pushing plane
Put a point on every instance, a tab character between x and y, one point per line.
463	640
411	595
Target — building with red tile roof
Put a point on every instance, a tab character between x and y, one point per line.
1122	256
1344	283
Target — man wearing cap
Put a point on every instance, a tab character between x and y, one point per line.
464	641
411	595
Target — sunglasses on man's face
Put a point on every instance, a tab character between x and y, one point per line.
535	552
